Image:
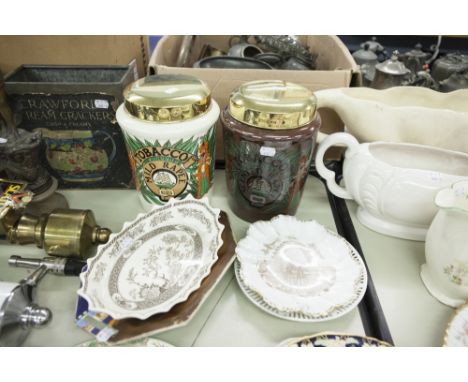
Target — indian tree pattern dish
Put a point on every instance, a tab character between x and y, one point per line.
327	339
301	267
155	262
457	329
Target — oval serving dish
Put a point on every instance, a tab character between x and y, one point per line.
155	262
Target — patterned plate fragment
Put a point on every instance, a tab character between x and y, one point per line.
334	340
139	342
457	329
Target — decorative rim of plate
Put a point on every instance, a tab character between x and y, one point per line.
298	315
258	300
127	225
451	321
372	341
148	341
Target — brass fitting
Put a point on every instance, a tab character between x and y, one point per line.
63	232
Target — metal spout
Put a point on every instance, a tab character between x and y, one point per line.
33	279
101	235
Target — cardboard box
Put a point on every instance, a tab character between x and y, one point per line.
335	68
73	50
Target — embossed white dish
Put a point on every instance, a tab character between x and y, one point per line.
300	267
155	262
457	329
394	184
258	300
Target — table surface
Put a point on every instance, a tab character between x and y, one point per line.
227	317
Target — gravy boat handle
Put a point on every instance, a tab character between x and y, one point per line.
329	176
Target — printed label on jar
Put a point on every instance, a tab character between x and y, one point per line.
260	191
267	151
173	170
261	179
267	185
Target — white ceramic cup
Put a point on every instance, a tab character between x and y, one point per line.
394	184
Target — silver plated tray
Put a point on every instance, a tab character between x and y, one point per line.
155	262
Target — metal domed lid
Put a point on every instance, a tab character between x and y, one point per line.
417	52
364	55
167	98
374	45
393	66
273	105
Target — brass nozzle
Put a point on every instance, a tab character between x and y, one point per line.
101	235
61	232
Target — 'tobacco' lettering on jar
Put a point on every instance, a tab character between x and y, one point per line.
171	145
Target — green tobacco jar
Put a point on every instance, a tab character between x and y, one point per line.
168	123
270	130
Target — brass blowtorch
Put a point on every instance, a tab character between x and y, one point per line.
62	232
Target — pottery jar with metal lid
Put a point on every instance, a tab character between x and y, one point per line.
270	129
168	123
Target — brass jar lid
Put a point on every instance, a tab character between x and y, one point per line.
167	98
274	105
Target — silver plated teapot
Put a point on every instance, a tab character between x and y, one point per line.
447	65
415	59
458	80
391	73
367	60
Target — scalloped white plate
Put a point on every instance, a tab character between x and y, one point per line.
258	300
155	262
301	269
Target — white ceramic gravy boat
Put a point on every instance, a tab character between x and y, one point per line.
394	184
401	114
